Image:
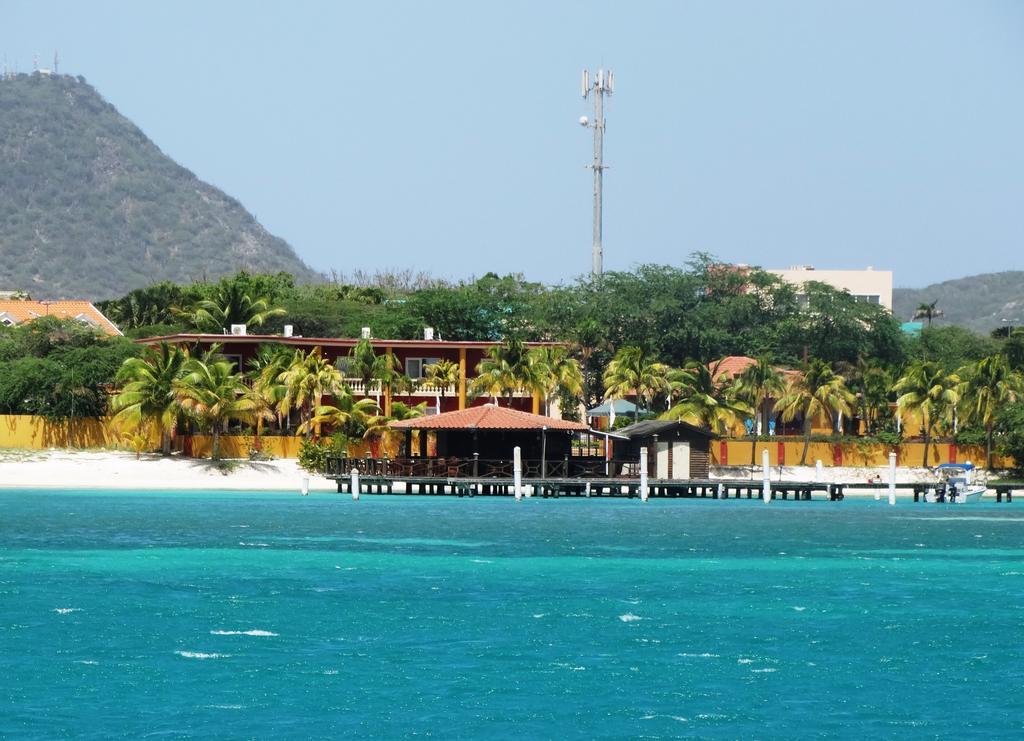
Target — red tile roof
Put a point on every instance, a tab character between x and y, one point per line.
732	365
19	311
487	417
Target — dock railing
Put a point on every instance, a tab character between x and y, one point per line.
476	468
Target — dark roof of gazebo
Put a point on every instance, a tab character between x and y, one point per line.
487	417
658	426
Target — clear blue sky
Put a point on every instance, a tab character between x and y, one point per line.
443	136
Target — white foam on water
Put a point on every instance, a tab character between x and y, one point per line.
200	655
799	609
704	655
254	545
679	718
632	601
629	617
480	560
87	662
224	707
66	610
329	672
763	671
744	661
253	632
970	518
539	614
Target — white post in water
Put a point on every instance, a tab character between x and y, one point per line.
721	491
819	473
766	486
517	472
892	478
355	483
643	474
588	490
305	486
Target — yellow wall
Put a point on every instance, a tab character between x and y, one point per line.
851	453
24	431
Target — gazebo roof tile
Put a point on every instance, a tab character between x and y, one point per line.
487	417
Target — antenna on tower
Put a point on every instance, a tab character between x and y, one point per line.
603	84
35	62
56	62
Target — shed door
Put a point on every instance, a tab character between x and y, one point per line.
680	460
661	471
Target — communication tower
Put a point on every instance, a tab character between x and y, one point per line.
603	84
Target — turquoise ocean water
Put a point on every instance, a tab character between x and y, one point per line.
234	615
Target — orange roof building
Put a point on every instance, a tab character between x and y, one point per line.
17	311
488	417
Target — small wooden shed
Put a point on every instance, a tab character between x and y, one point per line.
675	450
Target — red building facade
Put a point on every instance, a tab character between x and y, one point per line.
413	355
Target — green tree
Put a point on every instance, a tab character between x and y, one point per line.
441	375
755	385
229	304
504	370
816	391
211	393
555	373
925	388
307	379
344	412
148	394
704	402
927	311
633	371
987	386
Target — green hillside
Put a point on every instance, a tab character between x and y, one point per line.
91	208
979	302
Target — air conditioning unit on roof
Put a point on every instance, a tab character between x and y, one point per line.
238	329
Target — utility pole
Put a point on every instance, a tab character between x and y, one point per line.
601	86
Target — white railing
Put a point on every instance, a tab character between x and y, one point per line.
420	388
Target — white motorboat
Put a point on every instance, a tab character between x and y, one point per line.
960	485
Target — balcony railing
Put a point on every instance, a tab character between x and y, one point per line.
478	468
419	388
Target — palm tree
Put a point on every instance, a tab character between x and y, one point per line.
754	386
346	410
147	392
441	375
556	372
757	383
926	388
989	385
927	311
633	371
378	427
817	391
267	391
230	304
704	402
212	393
505	369
307	379
872	385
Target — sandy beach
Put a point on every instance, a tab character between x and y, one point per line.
76	469
121	470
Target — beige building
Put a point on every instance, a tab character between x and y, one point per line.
870	285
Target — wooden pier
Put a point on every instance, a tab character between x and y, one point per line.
574	478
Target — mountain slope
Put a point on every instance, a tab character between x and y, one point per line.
979	302
91	208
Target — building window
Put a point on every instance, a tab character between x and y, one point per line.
236	360
867	299
416	368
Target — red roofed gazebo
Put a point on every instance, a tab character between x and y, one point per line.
487	435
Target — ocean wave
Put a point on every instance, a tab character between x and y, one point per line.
699	656
200	655
66	610
629	617
763	671
254	632
253	545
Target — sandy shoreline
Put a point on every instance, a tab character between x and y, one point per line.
75	469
